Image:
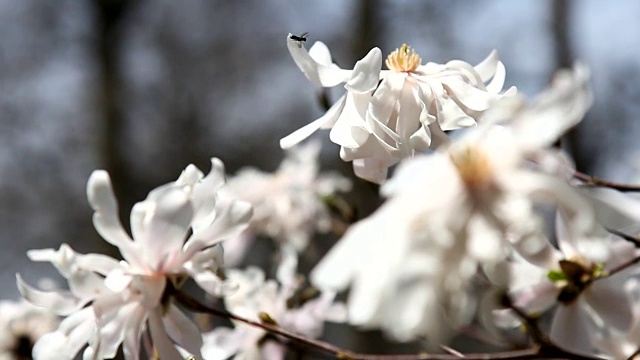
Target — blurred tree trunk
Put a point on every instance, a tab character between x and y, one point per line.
109	14
564	58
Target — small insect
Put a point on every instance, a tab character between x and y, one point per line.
300	38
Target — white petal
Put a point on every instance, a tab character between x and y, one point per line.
161	341
203	196
329	118
105	217
59	302
228	225
366	73
163	227
133	332
610	301
212	284
570	329
320	53
183	331
321	74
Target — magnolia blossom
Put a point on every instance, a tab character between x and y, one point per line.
387	115
21	325
286	302
175	231
288	204
410	264
577	278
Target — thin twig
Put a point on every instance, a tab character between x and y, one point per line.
631	239
594	181
548	351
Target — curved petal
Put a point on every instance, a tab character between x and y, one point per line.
133	331
59	302
163	225
329	118
228	225
321	74
204	195
366	73
105	217
183	331
570	329
212	283
161	341
74	333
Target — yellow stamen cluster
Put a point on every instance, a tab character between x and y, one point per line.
404	59
474	167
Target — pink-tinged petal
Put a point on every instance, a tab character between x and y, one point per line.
611	303
183	331
536	298
105	217
163	227
321	74
59	302
273	350
161	341
570	328
326	120
366	73
133	331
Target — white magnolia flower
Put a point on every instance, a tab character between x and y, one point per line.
410	264
21	325
175	233
387	115
576	278
283	301
288	204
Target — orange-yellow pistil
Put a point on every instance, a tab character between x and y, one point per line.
474	168
404	59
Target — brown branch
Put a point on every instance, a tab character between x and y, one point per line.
544	351
594	181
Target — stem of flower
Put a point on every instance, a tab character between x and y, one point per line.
547	351
593	181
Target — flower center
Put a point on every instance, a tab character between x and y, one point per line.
473	166
404	59
575	275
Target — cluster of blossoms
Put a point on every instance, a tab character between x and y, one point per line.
462	214
289	204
